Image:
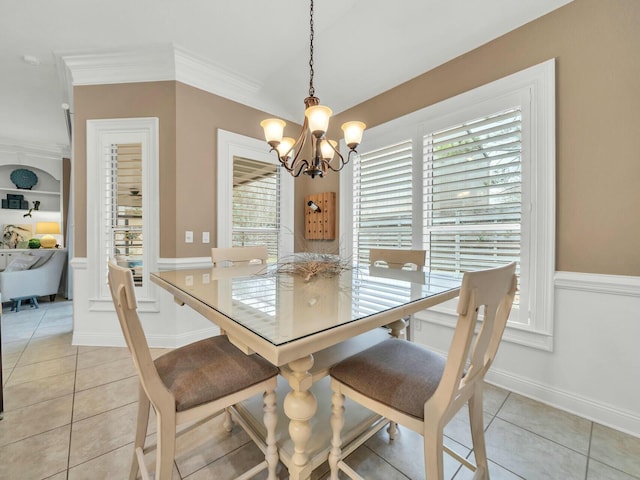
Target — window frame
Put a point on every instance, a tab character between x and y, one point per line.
534	88
100	134
232	145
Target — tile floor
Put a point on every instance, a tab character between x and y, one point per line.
70	414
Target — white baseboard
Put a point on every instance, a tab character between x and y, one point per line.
583	407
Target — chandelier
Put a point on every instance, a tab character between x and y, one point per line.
325	155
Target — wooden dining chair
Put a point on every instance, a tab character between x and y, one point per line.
190	384
239	255
398	259
415	387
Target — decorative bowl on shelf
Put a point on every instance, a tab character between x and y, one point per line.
23	178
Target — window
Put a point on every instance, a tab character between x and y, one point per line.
122	207
470	180
256	216
255	197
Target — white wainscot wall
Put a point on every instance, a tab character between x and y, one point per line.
167	325
594	368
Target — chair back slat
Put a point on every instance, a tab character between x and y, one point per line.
124	299
397	258
242	255
492	291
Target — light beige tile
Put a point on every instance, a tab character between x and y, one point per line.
230	466
30	393
95	436
9	348
101	355
104	373
10	360
600	471
94	401
35	419
59	476
53	331
39	456
616	449
459	429
493	398
532	456
207	443
115	464
42	340
406	452
561	427
36	371
371	466
496	472
41	353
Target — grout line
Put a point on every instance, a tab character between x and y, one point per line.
73	404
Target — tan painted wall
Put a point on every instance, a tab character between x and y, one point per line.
153	99
598	166
597	47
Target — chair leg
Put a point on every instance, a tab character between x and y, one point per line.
433	452
477	430
270	421
227	423
337	422
166	445
141	429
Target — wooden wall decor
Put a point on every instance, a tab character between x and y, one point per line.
320	221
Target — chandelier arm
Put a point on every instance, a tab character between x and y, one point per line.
303	166
300	143
342	162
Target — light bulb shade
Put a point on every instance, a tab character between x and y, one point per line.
52	228
284	146
326	150
353	133
318	117
273	130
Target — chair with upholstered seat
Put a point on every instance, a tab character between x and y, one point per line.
221	256
398	259
419	389
189	384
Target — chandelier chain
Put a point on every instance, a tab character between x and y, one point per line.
312	90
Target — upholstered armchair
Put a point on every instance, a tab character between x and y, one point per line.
40	278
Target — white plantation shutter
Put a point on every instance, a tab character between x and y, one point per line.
256	204
382	197
472	193
123	207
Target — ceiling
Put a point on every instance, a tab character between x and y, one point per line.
361	47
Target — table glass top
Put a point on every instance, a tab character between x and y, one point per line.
282	307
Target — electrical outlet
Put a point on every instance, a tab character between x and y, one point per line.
205	237
188	236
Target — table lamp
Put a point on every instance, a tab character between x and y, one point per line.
47	229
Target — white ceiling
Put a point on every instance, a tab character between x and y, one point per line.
361	47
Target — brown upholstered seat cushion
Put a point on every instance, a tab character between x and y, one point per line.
397	373
210	369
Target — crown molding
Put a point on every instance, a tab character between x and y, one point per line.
160	63
25	149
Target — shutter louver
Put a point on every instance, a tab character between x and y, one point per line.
472	193
382	200
255	204
123	207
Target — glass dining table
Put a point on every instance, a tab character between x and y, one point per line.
303	327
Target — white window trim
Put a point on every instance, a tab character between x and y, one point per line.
235	145
538	82
101	133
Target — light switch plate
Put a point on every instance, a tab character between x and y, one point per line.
205	237
188	236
